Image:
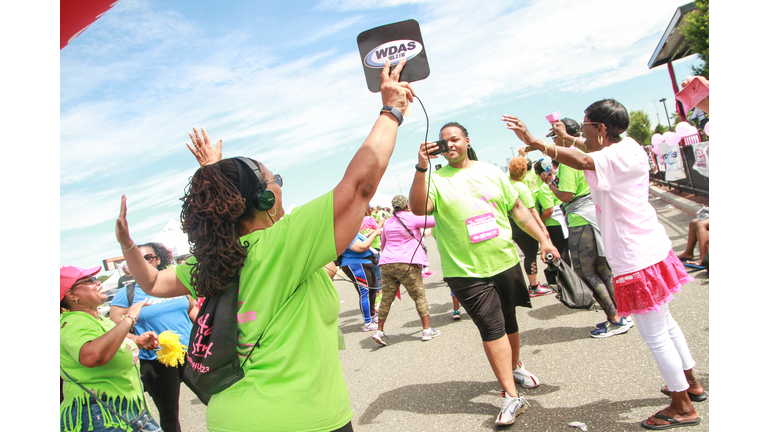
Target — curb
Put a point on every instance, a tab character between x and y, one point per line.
683	204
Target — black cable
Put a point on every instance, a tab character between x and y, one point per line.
429	181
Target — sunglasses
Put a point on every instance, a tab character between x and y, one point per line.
150	257
581	126
278	179
90	280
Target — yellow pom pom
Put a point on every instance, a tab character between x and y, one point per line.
171	352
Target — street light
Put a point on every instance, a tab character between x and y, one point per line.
664	101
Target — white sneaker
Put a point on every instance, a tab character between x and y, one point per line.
375	318
525	378
429	333
370	326
379	337
511	408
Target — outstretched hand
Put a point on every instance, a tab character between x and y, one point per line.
202	149
393	92
121	226
147	340
518	127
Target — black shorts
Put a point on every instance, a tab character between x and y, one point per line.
491	301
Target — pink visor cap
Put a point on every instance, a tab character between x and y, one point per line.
70	275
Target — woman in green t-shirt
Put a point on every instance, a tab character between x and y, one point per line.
288	308
98	358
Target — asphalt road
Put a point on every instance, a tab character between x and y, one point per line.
446	384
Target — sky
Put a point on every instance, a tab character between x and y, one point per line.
109	114
285	86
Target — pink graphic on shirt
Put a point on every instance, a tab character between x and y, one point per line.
598	210
248	316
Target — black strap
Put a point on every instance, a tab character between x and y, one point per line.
409	231
130	289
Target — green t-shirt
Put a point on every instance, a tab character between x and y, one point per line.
524	193
572	181
118	379
458	195
532	181
546	199
293	381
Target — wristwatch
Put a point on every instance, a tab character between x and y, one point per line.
393	110
420	169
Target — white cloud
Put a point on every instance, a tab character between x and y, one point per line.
132	89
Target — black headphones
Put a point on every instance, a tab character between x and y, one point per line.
263	199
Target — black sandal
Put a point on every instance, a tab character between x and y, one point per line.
694	397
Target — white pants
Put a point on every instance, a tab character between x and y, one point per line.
668	346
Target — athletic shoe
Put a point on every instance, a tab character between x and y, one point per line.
525	378
378	337
605	323
427	274
612	328
457	314
370	326
429	333
539	291
511	408
375	318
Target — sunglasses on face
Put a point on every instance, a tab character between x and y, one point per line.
90	280
581	127
150	257
278	179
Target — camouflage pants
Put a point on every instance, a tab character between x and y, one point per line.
412	281
591	267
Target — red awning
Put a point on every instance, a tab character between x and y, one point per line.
78	15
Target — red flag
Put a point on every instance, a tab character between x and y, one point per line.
78	15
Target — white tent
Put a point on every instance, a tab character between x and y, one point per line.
380	199
173	238
110	284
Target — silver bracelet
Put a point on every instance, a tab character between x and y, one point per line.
126	250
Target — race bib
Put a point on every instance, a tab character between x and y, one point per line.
482	227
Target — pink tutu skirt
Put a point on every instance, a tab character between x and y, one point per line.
646	289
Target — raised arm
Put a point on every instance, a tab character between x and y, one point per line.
162	283
352	195
417	198
567	156
525	220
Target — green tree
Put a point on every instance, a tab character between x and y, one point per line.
639	127
696	32
102	278
660	129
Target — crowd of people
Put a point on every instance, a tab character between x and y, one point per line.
575	205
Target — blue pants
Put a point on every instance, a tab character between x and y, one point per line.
364	277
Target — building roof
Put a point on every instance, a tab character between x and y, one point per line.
673	45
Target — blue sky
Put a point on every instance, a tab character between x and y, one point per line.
285	85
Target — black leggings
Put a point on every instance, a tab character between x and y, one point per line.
491	301
561	243
591	267
529	246
163	384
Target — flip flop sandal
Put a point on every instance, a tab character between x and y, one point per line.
672	422
689	263
694	397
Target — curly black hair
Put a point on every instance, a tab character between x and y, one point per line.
162	252
212	206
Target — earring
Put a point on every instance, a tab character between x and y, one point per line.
272	214
600	140
77	300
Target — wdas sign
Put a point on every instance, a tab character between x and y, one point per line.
393	51
394	42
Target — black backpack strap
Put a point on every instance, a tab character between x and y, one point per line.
130	289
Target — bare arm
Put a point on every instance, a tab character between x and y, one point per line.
352	195
101	350
193	309
565	197
417	199
567	156
525	220
362	246
155	283
539	221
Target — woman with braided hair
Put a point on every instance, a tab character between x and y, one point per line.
233	214
163	383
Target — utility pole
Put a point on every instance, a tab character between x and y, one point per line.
398	184
664	101
658	120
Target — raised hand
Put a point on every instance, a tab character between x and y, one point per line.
202	149
121	227
518	127
393	92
